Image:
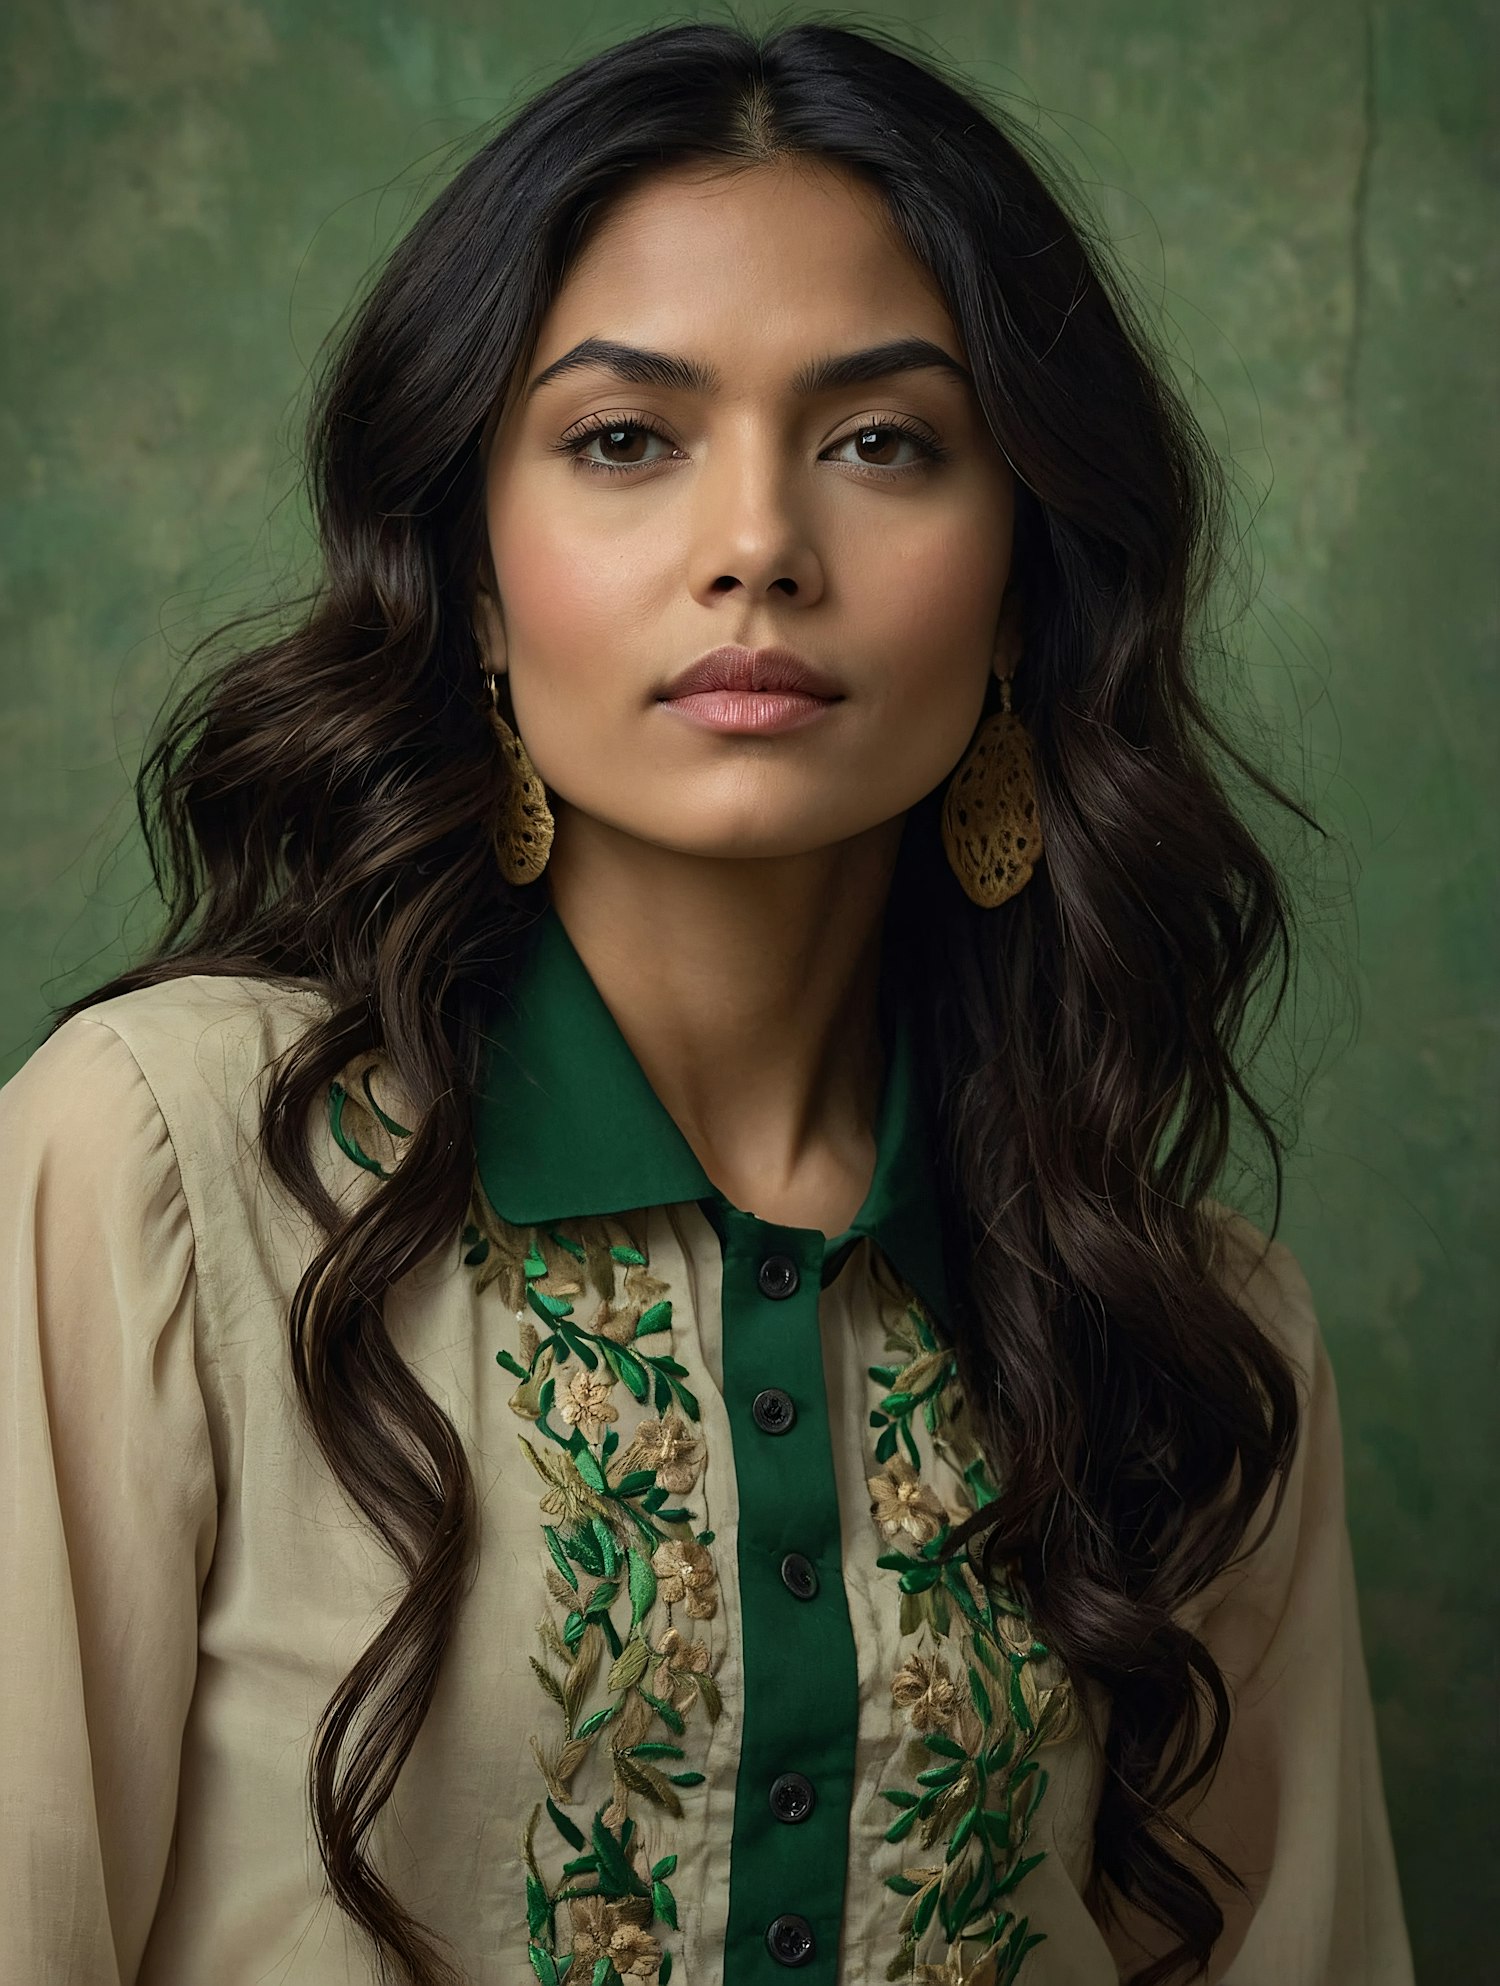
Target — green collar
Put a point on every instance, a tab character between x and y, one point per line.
566	1124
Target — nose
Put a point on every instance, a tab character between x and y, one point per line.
752	531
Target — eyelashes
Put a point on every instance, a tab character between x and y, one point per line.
930	451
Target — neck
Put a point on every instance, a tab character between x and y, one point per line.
747	989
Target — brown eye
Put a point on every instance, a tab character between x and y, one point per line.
611	436
881	437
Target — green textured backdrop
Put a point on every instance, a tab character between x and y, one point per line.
193	196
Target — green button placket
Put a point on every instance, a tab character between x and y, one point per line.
800	1703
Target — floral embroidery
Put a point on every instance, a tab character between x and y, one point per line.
968	1689
623	1557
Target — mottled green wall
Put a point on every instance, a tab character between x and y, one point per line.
193	194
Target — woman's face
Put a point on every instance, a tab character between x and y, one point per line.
746	512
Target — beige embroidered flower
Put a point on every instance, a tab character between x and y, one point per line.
685	1573
587	1404
672	1449
601	1930
901	1501
954	1972
681	1663
925	1691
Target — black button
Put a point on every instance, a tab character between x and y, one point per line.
773	1411
799	1575
792	1796
778	1277
789	1939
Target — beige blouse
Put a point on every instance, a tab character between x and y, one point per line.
714	1712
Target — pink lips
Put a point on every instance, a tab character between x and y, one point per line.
756	690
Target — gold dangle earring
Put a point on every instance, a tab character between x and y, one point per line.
992	832
523	825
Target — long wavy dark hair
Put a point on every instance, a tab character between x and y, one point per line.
320	808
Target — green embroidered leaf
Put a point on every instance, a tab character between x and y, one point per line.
536	1264
897	1403
604	1974
902	1824
923	1914
895	1561
663	1868
989	1656
602	1598
657	1750
585	1548
1019	1872
662	1393
503	1357
616	1876
642	1588
664	1904
902	1885
877	1419
899	1797
940	1775
622	1252
667	1712
885	1374
998	1755
630	1666
571	1834
936	1741
919	1578
664	1976
630	1369
551	1309
657	1317
585	1462
1018	1701
980	1698
686	1778
597	1721
960	1835
574	1248
559	1557
910	1441
544	1965
536	1905
705	1537
607	1546
635	1482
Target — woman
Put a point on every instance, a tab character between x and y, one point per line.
621	1357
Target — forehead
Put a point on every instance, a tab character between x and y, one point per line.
760	261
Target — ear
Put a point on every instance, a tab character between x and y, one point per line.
1008	633
489	629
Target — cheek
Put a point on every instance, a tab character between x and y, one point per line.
567	602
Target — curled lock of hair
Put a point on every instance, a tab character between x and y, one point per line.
318	809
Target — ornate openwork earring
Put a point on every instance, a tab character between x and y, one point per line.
992	832
523	825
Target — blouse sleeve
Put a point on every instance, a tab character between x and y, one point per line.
108	1517
1297	1807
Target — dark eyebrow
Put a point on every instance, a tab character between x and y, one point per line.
640	367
